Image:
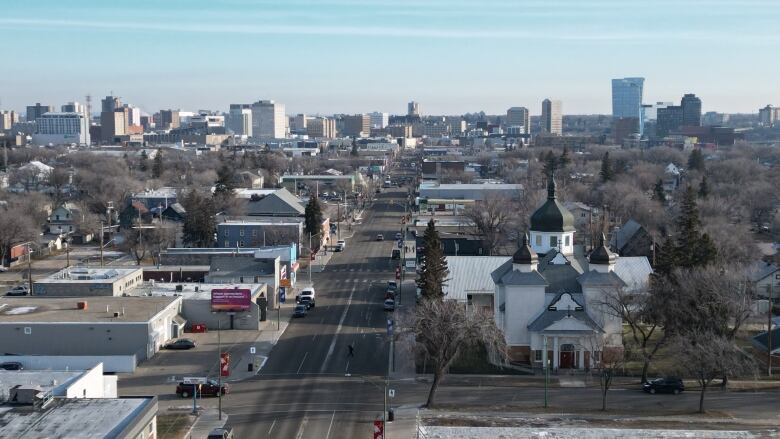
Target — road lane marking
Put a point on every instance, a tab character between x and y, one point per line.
331	424
304	359
346	369
338	329
302	427
273	424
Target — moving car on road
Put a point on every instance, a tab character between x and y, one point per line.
300	310
398	236
341	245
380	237
306	292
11	365
180	344
221	433
19	290
664	385
210	388
308	301
389	305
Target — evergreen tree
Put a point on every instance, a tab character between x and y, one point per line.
434	272
143	161
658	191
666	258
550	163
693	248
564	160
354	152
696	160
226	181
157	165
199	222
606	173
704	187
313	220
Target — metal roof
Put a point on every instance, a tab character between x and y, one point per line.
471	275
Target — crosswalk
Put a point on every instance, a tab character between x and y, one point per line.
357	270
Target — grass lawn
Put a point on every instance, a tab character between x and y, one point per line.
173	425
472	361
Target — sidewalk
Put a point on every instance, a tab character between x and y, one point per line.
263	344
207	420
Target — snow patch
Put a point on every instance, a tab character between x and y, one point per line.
21	310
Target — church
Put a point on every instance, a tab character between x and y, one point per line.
548	297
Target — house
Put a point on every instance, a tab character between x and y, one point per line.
672	177
766	279
249	180
280	203
760	342
632	239
546	297
174	212
32	176
162	197
66	220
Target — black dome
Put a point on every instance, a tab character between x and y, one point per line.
525	254
601	254
552	216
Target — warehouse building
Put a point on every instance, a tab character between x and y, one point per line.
85	281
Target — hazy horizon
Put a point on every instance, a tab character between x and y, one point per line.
348	56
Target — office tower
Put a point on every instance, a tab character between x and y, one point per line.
74	107
358	125
133	115
691	109
111	124
552	117
768	116
168	120
268	120
8	119
240	119
669	119
413	109
298	123
457	125
399	130
379	120
518	116
627	97
321	127
62	128
37	110
712	118
650	111
146	123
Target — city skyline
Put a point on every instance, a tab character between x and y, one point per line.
308	55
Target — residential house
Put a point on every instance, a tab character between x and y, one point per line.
632	239
174	212
249	180
280	203
766	280
67	219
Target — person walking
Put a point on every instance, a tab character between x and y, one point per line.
351	351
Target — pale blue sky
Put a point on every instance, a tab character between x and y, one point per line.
327	56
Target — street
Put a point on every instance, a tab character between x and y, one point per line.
309	387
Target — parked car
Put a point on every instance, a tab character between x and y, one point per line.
380	237
11	365
398	236
306	300
19	290
210	388
221	433
300	310
389	305
664	385
341	245
180	344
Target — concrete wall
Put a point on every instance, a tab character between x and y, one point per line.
199	311
108	287
92	384
112	364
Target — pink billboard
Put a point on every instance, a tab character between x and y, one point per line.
231	299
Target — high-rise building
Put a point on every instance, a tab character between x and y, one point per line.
518	116
133	115
8	119
712	118
240	119
650	111
457	125
74	107
399	130
321	127
691	109
768	116
552	117
413	109
669	119
37	110
627	97
108	119
168	120
269	120
62	129
358	125
379	120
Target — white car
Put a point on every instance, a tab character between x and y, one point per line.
341	244
306	292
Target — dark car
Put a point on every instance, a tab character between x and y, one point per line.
180	344
11	365
221	433
306	300
300	311
664	385
210	388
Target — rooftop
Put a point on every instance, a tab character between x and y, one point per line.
35	309
89	275
471	186
47	380
74	418
192	291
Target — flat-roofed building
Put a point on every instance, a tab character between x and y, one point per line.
84	281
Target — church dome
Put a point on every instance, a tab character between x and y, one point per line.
552	216
601	254
525	255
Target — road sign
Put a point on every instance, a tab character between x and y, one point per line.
252	350
224	364
282	294
194	380
391	393
400	244
379	430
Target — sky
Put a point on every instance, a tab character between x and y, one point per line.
349	56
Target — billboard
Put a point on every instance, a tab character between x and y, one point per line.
231	299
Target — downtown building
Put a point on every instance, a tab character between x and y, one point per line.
269	120
62	129
518	117
552	117
627	96
240	119
321	127
37	110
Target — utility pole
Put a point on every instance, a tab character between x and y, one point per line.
311	257
219	362
101	243
769	330
546	371
29	266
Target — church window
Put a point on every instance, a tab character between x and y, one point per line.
553	241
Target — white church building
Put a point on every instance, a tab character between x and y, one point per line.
547	298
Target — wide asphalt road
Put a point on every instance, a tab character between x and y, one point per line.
309	387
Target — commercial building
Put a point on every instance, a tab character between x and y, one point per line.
435	193
627	97
75	107
321	127
623	128
8	119
713	118
399	130
413	109
62	129
269	120
37	110
255	232
379	120
768	116
325	181
112	119
168	120
71	383
240	119
552	117
124	326
669	119
152	198
691	110
84	281
518	116
358	125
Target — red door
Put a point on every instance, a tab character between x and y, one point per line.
567	360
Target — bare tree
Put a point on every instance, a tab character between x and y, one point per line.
706	356
490	218
444	328
15	228
611	360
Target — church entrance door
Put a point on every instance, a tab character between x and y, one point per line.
567	357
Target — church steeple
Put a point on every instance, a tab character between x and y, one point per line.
601	259
525	258
551	185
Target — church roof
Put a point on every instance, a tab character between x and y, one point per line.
554	316
594	278
601	254
514	277
552	216
525	254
